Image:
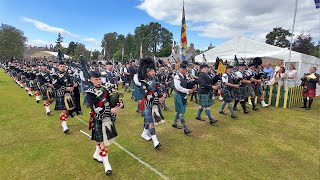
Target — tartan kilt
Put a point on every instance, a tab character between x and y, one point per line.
227	96
147	115
60	103
44	94
137	94
205	100
240	93
178	104
97	134
258	90
309	93
250	92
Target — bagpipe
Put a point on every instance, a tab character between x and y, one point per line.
116	98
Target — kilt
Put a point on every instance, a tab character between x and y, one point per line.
178	104
97	134
240	93
44	94
147	115
60	103
258	90
309	93
227	96
137	94
205	100
250	92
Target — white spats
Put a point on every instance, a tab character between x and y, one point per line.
145	134
38	98
47	109
106	164
250	103
64	126
156	143
264	104
30	93
96	155
220	98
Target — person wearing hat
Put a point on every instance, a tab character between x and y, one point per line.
241	91
180	98
249	75
63	84
27	76
103	129
228	82
33	79
205	93
194	75
44	80
151	99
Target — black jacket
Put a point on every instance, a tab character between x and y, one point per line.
205	83
312	83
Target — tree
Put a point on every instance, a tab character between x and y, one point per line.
58	43
80	50
109	42
303	44
95	54
12	42
71	48
130	46
278	37
316	50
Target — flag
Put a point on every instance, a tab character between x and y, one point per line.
317	2
141	53
184	44
221	68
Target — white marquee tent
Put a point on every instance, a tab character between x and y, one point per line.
247	49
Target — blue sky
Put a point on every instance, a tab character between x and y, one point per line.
207	20
85	19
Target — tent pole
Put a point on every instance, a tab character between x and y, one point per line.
292	31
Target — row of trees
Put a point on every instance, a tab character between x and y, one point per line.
303	42
155	40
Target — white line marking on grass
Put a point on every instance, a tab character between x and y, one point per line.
131	154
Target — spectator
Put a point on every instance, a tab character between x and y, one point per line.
291	76
279	77
280	64
268	70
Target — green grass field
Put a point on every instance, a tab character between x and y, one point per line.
273	143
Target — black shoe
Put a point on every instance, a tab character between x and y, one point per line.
109	172
191	99
66	131
166	108
158	146
255	108
97	160
303	107
30	95
176	126
196	102
200	119
235	109
246	111
307	108
37	101
222	112
234	116
212	121
186	131
48	113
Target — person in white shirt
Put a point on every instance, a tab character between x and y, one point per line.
180	98
291	76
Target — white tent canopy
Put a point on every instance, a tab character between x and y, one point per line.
247	49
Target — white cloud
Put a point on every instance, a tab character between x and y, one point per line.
91	41
45	27
225	19
38	42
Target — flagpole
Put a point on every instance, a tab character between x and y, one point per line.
292	31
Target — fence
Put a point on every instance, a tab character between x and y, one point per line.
280	96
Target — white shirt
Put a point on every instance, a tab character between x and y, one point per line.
225	78
291	73
239	74
136	80
177	85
